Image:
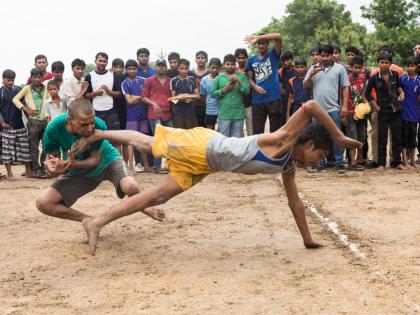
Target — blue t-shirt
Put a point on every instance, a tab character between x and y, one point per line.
149	72
58	139
10	113
183	108
265	73
212	104
410	106
300	95
135	112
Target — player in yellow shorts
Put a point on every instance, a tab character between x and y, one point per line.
192	154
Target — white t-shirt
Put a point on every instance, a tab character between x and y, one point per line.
96	80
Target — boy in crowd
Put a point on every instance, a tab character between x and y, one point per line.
184	88
14	136
229	88
75	87
144	70
337	54
173	59
241	56
200	72
329	84
57	69
155	95
297	94
102	90
212	104
41	63
136	110
356	129
410	83
54	105
314	55
264	80
352	52
286	72
389	94
117	68
35	96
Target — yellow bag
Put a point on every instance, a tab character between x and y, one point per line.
361	110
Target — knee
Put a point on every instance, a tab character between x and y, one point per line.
43	205
131	189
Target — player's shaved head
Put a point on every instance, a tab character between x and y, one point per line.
82	106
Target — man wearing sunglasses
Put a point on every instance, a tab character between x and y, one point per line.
262	74
83	173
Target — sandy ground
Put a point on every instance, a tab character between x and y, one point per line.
229	245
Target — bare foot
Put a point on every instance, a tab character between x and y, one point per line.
154	213
400	167
380	168
92	234
148	169
11	177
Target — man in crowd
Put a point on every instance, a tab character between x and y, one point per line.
264	81
330	85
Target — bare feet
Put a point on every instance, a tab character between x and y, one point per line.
400	167
11	177
154	213
380	168
92	232
148	169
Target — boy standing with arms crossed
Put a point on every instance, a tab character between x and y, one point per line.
206	84
14	137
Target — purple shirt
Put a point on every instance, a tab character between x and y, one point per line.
135	112
410	106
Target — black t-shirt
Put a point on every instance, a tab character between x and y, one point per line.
119	103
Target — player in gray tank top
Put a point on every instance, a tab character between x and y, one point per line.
200	152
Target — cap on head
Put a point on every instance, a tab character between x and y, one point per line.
161	61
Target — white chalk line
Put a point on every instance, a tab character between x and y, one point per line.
354	248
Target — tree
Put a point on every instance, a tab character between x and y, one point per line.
89	68
309	23
396	23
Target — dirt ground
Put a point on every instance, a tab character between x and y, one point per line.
229	245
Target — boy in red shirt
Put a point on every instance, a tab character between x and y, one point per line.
356	129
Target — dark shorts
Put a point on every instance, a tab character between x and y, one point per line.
110	117
73	187
356	129
185	122
210	120
409	134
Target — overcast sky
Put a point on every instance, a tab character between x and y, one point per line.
64	30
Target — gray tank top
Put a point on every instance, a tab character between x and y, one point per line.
244	155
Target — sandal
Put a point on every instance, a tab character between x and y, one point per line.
356	167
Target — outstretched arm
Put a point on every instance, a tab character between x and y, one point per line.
294	126
140	141
298	210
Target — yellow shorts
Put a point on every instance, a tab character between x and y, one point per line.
185	151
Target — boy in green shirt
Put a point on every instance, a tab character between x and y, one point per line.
229	88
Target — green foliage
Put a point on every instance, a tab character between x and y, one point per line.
396	23
89	68
309	23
